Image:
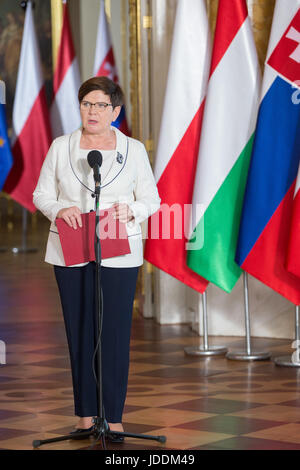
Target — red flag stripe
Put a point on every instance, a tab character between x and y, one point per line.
170	254
293	261
272	246
66	52
226	28
29	152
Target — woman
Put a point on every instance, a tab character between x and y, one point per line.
65	190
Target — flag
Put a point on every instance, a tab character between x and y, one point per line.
226	140
267	209
178	144
32	135
293	259
104	63
65	115
6	158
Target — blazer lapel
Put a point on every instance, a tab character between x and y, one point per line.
120	159
80	167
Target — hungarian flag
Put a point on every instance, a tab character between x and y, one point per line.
104	63
178	145
30	120
6	158
65	115
293	259
267	211
225	148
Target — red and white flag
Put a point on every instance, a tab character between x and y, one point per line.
177	152
104	63
31	126
293	258
65	115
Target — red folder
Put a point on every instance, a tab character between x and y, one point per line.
78	245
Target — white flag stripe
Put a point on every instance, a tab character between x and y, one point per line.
2	92
297	182
218	150
103	43
186	84
65	115
27	88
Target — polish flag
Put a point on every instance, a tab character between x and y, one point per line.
177	152
31	126
104	63
65	115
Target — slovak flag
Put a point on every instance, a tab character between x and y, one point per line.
104	63
65	115
293	259
31	126
267	210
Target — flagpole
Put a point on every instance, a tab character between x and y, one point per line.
8	161
294	359
3	249
205	350
249	354
24	248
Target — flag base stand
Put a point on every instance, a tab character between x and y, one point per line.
286	361
248	354
251	356
292	360
205	350
201	351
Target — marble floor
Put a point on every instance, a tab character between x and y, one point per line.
196	403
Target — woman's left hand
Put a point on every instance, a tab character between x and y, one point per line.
123	212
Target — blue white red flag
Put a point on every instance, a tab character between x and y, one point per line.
266	218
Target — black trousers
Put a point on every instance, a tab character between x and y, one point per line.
77	294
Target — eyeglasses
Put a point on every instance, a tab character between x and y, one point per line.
98	106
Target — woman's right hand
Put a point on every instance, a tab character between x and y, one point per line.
71	215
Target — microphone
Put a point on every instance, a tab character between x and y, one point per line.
95	159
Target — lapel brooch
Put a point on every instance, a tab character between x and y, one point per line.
119	158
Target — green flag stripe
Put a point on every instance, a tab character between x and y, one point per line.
215	260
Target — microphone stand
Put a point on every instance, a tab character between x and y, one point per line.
100	429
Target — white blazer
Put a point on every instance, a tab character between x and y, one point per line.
66	180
